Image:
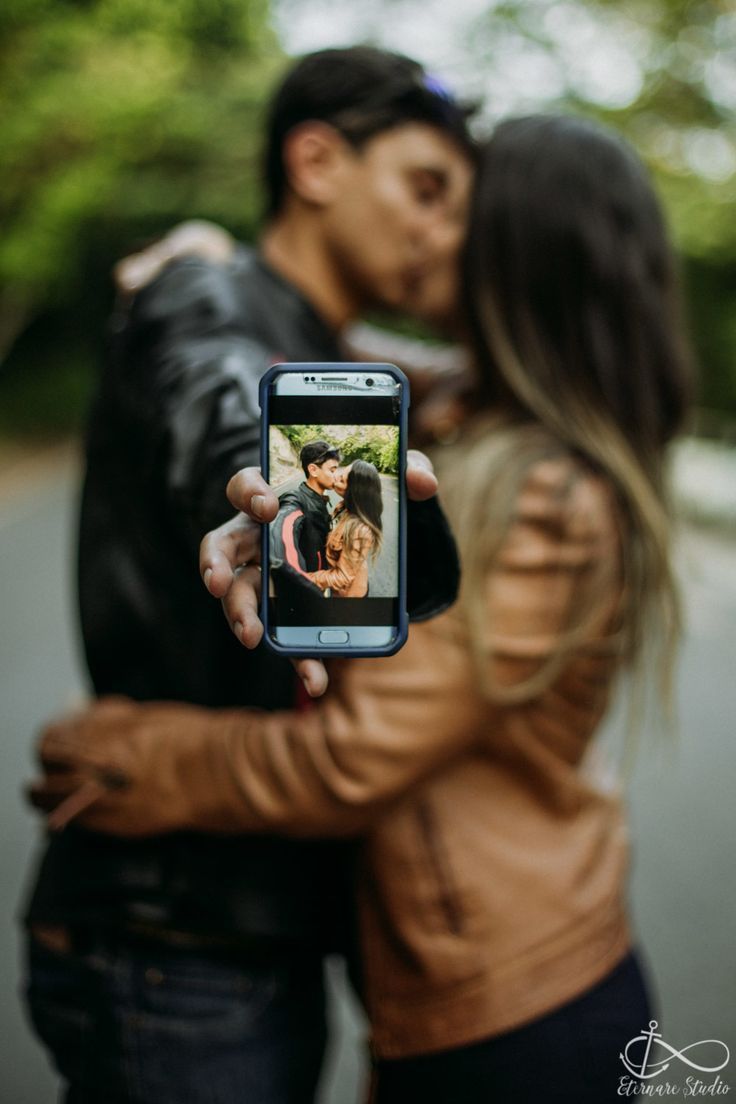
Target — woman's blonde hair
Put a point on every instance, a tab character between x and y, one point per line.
575	321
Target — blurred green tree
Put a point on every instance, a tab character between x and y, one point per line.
378	445
121	118
663	72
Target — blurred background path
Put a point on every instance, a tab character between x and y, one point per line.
684	891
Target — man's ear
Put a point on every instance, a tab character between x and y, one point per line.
315	155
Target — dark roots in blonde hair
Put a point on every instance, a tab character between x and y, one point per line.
576	323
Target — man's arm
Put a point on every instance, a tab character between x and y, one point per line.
185	376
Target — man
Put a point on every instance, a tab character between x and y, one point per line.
189	968
302	525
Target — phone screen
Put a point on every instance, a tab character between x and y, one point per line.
335	462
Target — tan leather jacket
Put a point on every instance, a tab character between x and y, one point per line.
492	872
347	575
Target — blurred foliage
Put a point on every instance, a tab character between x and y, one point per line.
123	117
662	72
378	445
299	435
126	116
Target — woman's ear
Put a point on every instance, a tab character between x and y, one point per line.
315	156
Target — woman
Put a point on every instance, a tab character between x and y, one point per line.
356	535
497	958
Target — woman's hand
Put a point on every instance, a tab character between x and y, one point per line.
194	238
124	767
230	556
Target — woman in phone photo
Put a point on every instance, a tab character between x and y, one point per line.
356	536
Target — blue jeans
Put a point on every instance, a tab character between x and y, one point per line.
146	1023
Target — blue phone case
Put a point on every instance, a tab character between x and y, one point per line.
403	619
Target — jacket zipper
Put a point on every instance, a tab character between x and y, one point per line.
440	864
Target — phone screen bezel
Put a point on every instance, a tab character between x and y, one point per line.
350	384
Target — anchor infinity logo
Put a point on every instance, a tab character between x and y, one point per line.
651	1066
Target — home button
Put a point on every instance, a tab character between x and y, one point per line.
333	636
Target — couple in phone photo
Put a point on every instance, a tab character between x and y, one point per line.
328	528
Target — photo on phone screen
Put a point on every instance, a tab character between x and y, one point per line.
334	548
337	526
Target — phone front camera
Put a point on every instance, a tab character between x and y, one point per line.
369	382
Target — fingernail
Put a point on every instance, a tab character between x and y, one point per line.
257	503
313	685
238	630
207	577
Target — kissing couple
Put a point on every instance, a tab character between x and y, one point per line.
327	547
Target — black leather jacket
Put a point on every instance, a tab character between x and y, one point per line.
176	414
311	530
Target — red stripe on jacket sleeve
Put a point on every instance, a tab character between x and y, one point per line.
287	535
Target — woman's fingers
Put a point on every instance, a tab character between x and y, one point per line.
421	482
313	674
75	804
193	238
223	550
241	605
238	541
241	610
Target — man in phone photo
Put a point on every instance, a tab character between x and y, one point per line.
191	961
319	551
299	533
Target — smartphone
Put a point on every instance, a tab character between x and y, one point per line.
333	448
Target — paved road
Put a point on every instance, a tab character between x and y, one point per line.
683	810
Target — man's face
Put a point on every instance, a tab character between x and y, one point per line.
400	218
323	474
